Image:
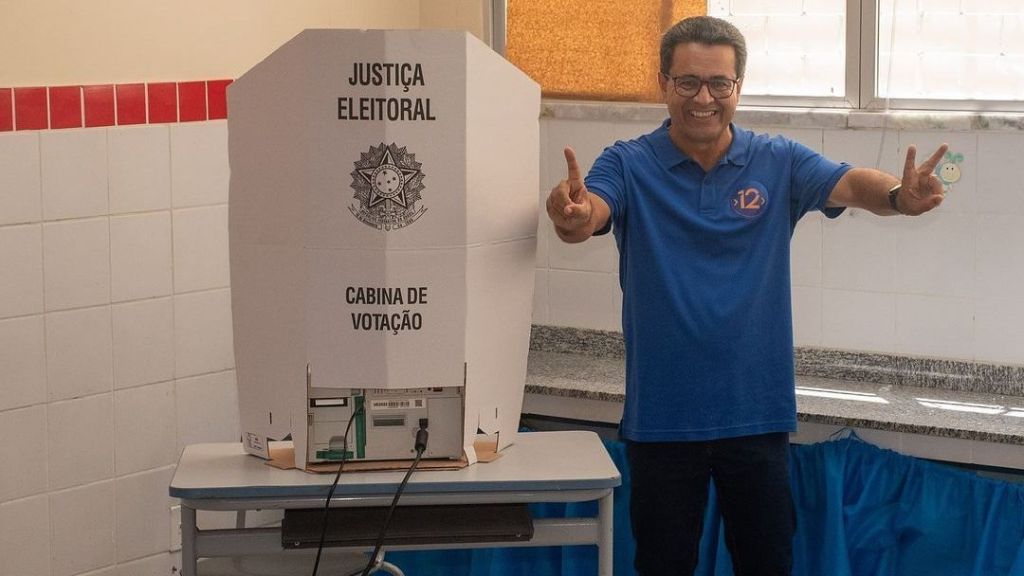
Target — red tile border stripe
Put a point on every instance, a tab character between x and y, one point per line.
6	110
191	101
131	104
65	106
162	98
217	96
30	109
99	105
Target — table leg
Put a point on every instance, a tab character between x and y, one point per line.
188	541
605	535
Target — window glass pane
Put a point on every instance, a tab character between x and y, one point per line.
593	49
794	47
951	49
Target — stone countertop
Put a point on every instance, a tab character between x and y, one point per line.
985	417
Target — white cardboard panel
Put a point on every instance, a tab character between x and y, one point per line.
267	284
351	338
265	136
500	279
310	171
440	145
502	148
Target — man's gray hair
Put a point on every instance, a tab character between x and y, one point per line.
703	30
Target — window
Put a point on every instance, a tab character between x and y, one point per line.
951	50
794	47
870	54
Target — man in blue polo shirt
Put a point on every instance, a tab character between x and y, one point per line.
702	213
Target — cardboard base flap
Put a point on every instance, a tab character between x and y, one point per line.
282	455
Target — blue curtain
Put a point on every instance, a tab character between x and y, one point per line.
862	511
865	510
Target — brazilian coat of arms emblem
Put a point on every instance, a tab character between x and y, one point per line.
387	181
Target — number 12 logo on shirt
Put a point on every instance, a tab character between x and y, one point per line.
749	201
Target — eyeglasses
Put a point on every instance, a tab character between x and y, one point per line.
689	86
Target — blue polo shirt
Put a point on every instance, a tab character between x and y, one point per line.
704	271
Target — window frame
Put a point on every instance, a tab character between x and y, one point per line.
862	56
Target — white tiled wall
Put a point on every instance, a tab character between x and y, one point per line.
25	536
199	170
143	342
139	499
78	353
25	431
140	256
76	263
74	458
82	528
21	259
19	180
115	310
74	174
23	357
201	248
943	285
115	339
140	176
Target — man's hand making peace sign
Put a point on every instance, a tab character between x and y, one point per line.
918	192
921	190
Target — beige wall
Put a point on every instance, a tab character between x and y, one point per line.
471	15
55	42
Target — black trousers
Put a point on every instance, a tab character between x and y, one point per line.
670	492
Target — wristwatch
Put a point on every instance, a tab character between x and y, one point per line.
893	192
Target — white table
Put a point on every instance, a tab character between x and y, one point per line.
540	467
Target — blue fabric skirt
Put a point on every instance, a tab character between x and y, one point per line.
862	511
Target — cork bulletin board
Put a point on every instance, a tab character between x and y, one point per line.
593	49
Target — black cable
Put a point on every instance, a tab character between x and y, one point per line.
334	485
421	446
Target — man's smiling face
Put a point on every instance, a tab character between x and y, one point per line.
701	121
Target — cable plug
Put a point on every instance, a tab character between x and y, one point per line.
421	436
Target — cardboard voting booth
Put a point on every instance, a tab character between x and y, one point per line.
382	222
